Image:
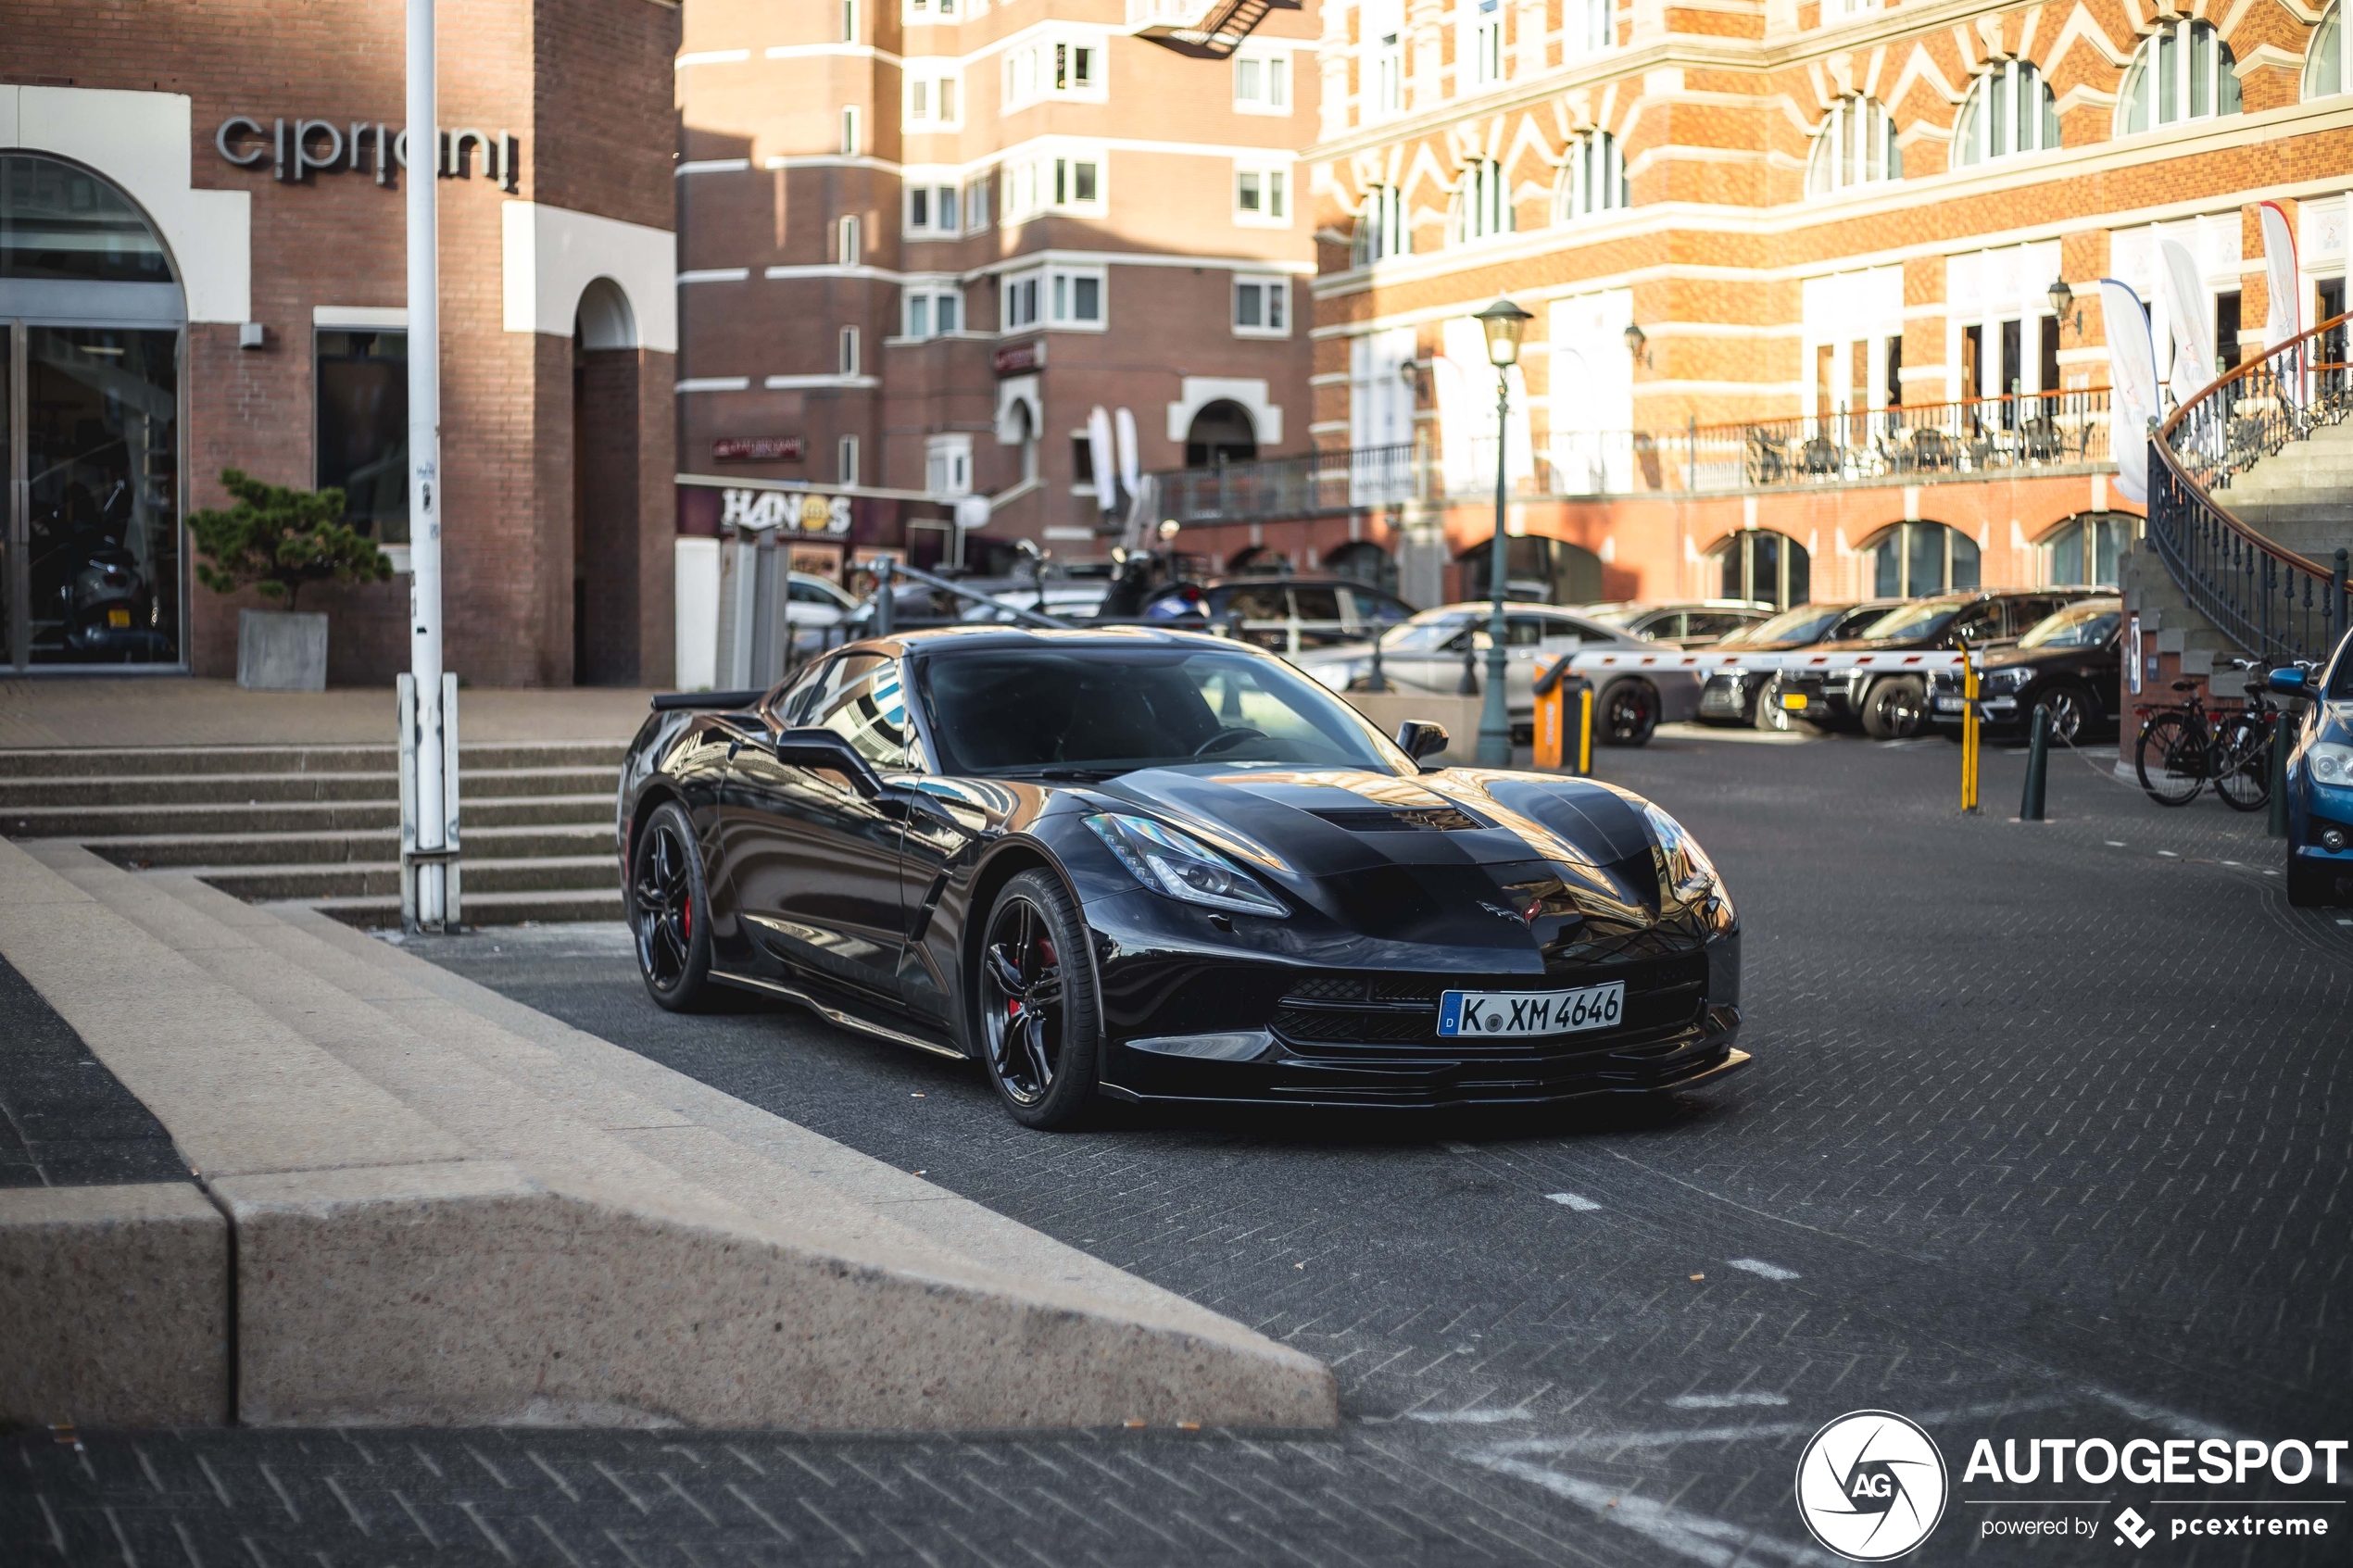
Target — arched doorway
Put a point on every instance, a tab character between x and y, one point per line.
92	347
1545	571
1221	432
1909	559
1760	564
608	630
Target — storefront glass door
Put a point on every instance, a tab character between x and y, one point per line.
94	563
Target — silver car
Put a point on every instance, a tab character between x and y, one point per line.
1426	653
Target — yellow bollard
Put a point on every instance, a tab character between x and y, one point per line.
1969	731
1548	719
1585	732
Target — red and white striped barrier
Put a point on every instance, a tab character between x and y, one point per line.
1704	663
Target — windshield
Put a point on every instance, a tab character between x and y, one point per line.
1097	711
1804	624
1614	615
2086	625
1924	619
1425	633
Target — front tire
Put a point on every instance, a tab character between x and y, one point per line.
2075	712
1894	707
670	913
1040	1027
1629	713
1770	713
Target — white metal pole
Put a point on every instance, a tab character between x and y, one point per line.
424	452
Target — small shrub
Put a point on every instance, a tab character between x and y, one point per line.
278	539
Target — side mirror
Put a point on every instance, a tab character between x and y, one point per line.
2288	682
1418	738
818	747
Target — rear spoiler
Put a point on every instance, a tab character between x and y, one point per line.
670	702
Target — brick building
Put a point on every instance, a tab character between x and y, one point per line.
202	267
1814	284
924	240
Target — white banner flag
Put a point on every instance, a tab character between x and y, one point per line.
2284	317
2187	314
2132	373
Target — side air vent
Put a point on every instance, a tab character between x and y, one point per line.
1401	819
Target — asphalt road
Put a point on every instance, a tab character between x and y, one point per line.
2047	1137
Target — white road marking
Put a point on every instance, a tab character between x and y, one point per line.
1769	1271
1715	1542
1582	1204
1467	1418
1725	1402
2115	843
2169	855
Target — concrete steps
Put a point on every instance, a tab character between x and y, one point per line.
443	1207
2301	498
322	823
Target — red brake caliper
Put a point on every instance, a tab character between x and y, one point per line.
687	917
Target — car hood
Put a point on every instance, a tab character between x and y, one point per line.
1383	852
2005	658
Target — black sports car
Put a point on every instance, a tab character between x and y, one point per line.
1162	866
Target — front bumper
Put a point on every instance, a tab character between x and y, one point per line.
1821	698
1729	697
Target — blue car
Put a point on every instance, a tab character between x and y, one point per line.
2320	780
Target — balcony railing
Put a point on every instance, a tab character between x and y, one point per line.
1922	444
2271	602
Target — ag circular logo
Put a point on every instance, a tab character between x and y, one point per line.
1871	1485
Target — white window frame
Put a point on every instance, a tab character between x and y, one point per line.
1478	53
1268	289
1988	125
1022	302
2221	78
927	192
1588	27
1381	57
947	467
1058	293
1270	181
1483	206
845	355
925	300
976	193
1030	183
1856	129
852	143
1384	227
849	21
928	89
924	13
1271	69
1032	69
846	460
849	247
1593	179
2331	32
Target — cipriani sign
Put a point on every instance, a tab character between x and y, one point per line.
295	149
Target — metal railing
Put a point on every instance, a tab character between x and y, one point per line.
2270	601
1920	443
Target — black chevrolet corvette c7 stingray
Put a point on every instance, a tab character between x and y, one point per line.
1161	866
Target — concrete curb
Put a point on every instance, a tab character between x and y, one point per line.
446	1211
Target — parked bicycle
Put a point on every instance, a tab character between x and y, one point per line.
2183	748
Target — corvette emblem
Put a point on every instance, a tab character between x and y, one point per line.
1513	915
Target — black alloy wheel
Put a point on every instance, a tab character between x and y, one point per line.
1894	708
2074	712
1035	990
1628	714
668	911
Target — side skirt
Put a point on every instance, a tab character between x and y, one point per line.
834	1015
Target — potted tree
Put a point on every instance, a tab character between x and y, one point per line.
277	539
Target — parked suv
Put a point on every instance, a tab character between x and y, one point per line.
1695	624
2071	664
1286	614
1735	695
1891	703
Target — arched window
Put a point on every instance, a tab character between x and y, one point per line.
2011	110
1482	203
1381	228
2183	72
1757	563
2328	64
1221	432
1855	146
1593	180
2084	550
1912	558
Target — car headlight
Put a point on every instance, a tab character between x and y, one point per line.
1684	869
2331	764
2005	679
1167	862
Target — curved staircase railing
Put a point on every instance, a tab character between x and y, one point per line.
2270	601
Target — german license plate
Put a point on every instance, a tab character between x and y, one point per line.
1507	1014
1949	704
118	616
1793	699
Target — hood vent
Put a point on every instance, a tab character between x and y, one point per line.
1401	819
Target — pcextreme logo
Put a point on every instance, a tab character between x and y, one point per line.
1871	1485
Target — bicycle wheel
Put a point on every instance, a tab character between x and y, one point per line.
2242	763
2170	760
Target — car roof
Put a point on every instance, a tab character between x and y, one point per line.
933	642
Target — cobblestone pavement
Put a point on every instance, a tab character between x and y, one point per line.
2047	1137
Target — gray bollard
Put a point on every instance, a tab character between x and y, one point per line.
2038	764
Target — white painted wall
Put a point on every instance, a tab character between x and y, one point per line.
552	254
697	634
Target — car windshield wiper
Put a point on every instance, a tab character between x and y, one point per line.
1086	775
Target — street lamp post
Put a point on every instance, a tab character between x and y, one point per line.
1503	322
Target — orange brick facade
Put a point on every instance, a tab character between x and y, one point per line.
584	88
